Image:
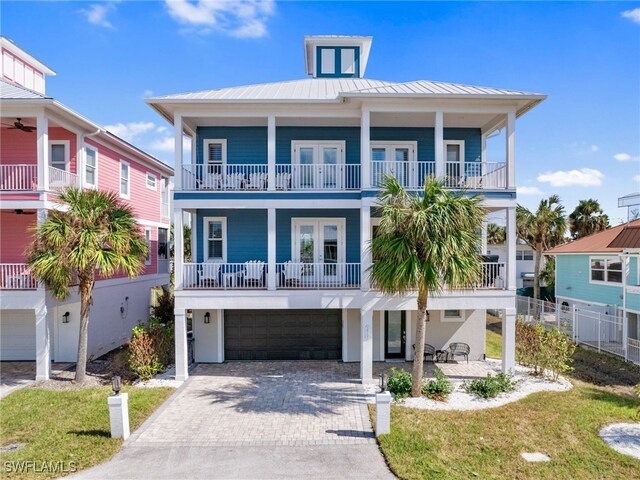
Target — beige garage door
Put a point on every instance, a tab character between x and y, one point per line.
17	335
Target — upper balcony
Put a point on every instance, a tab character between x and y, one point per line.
24	178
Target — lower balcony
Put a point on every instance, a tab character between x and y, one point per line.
16	276
24	177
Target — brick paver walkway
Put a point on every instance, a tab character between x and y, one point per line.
264	403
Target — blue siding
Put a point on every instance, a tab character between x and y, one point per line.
283	231
246	234
285	135
245	145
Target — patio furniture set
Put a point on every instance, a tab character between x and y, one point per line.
455	349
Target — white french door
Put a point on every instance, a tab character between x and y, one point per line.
318	166
394	159
319	243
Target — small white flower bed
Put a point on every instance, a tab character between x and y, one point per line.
460	400
164	379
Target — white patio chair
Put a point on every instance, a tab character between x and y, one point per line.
257	181
292	274
254	273
283	180
234	181
209	275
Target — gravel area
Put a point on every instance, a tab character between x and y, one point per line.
165	379
623	438
460	400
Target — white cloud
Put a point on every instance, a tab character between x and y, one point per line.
636	178
528	191
164	144
584	177
624	157
246	18
97	14
594	148
131	131
633	15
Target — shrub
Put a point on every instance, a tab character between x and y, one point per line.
557	349
490	386
399	383
438	389
529	345
543	350
164	309
150	348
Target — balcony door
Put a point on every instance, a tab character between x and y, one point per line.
394	159
320	243
395	334
454	158
318	166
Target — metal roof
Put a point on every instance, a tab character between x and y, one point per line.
629	237
10	90
425	87
597	243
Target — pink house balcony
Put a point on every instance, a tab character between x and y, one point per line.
24	177
16	276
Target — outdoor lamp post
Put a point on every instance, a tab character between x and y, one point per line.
115	384
382	385
118	410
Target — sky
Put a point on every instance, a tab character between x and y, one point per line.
582	142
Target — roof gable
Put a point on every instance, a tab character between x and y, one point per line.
596	243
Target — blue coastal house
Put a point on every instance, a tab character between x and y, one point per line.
281	186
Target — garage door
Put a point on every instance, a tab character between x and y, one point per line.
283	334
17	335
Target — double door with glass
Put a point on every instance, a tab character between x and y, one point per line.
395	160
318	245
318	166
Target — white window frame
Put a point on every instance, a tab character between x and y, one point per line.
67	154
205	237
341	222
604	258
205	152
155	181
460	318
126	195
7	65
328	68
147	238
297	144
95	168
460	143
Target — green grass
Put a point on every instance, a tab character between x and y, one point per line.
488	443
494	338
67	426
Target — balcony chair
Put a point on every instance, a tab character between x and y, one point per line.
209	275
429	351
283	181
257	181
458	349
292	273
234	181
254	273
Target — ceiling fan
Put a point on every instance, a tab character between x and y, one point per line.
18	125
20	211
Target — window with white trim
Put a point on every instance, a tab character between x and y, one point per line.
147	239
454	158
605	270
125	175
524	255
215	239
59	154
453	315
152	181
215	153
8	65
90	167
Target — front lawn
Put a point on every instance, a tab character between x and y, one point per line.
494	337
488	443
60	427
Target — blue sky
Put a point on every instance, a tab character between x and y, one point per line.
582	142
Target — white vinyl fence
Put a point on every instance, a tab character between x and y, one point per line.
587	327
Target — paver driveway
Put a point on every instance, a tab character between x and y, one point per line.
256	420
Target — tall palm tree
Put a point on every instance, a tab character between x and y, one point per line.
541	230
423	243
587	218
496	234
96	231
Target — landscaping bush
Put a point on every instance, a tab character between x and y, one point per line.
557	349
164	311
490	386
399	383
150	348
529	345
543	350
438	389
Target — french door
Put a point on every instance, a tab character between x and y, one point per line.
318	166
320	245
395	160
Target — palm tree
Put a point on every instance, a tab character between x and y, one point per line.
96	231
496	234
541	230
587	218
423	243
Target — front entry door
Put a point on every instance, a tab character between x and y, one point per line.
319	243
395	334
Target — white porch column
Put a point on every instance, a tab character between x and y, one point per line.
178	247
42	131
182	362
177	126
365	247
483	235
365	148
43	347
483	154
438	134
511	149
271	249
271	152
508	339
366	346
511	249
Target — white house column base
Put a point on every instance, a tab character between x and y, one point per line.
182	362
43	347
366	347
508	339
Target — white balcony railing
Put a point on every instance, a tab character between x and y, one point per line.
18	177
292	275
225	276
409	174
61	179
493	275
318	177
16	276
224	177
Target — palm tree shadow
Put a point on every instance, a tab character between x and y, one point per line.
91	433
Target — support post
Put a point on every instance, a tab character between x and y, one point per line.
43	343
508	339
271	152
271	249
182	361
438	133
365	149
178	248
511	149
119	415
365	245
177	126
599	329
483	234
42	131
511	248
383	413
366	346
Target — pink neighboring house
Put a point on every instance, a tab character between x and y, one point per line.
45	146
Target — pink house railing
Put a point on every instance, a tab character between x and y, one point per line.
16	276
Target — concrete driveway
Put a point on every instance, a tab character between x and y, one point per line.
256	420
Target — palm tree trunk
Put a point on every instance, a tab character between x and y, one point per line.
86	288
418	354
